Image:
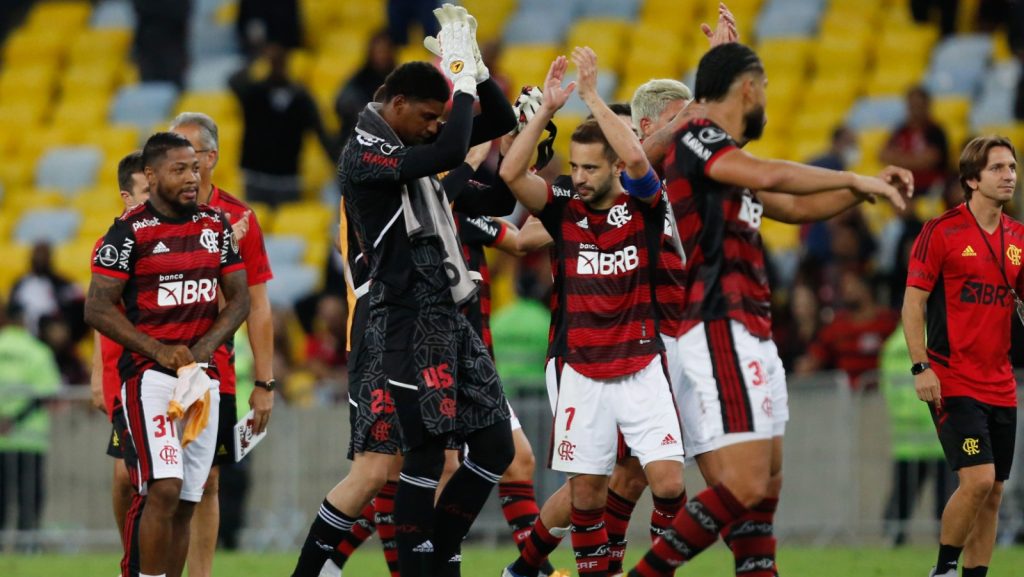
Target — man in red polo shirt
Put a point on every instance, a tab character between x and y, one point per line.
964	278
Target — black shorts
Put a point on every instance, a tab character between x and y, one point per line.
225	451
975	433
439	373
371	415
118	432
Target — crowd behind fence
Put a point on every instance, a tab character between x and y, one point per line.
837	471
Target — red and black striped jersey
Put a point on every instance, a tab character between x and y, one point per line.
970	307
476	232
603	322
670	282
257	271
172	268
719	226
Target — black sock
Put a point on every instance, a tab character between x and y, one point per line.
327	530
460	503
948	558
979	571
414	525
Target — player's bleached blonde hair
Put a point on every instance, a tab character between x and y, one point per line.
651	98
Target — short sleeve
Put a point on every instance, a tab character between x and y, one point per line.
372	160
699	145
115	254
560	192
926	258
254	253
230	257
480	230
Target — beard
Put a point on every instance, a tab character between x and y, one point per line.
753	124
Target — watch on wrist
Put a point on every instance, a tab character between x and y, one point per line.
269	384
919	368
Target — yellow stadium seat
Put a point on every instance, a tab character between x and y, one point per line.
527	64
88	113
95	78
605	36
15	173
221	106
767	148
16	263
369	14
34	143
893	79
23	113
1001	46
74	258
414	52
116	140
816	125
316	251
780	236
319	17
300	65
951	109
907	41
334	69
59	16
305	218
1015	132
104	198
871	143
27	46
671	12
491	16
96	223
831	94
806	149
855	5
37	82
6	226
956	136
785	55
316	168
264	215
17	201
841	58
97	45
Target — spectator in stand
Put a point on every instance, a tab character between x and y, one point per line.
844	153
262	22
921	10
403	13
796	326
358	90
161	36
919	144
853	340
28	377
56	334
42	292
326	353
277	113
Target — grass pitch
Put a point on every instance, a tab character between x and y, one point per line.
488	562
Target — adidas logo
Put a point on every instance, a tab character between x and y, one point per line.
583	223
424	547
160	248
668	440
969	251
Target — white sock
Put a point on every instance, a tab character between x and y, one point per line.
160	575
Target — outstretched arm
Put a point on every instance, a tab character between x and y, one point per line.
794	209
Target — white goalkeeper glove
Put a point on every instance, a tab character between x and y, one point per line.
455	18
526	106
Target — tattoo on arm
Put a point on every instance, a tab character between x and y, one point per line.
103	314
236	295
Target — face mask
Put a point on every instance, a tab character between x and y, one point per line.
851	157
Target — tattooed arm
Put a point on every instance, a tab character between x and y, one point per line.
103	314
236	308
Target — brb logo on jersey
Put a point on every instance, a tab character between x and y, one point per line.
618	216
177	292
607	263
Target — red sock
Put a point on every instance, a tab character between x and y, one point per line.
665	510
360	532
616	521
384	504
536	549
519	505
590	542
752	540
694	529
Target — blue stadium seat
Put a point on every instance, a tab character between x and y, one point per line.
144	105
285	249
538	27
113	14
290	283
992	108
788	20
212	41
607	82
69	169
53	225
620	9
882	112
211	74
958	64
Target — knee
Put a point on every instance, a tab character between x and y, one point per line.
629	480
426	461
978	485
451	463
667	487
212	486
995	496
750	491
523	465
162	496
492	448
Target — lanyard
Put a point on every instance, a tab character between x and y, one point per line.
1018	304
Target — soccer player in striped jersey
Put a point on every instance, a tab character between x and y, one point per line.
201	131
729	359
605	350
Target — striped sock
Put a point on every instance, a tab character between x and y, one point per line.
616	520
752	540
695	528
665	511
326	532
361	531
384	504
519	506
536	549
590	542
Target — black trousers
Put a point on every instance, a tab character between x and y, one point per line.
21	478
908	479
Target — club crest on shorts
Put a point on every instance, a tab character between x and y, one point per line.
971	446
169	455
566	450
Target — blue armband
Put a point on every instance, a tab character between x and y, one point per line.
644	187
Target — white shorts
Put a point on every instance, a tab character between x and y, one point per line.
731	386
590	413
686	398
516	425
157	452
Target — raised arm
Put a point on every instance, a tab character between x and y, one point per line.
533	236
509	241
528	188
496	117
449	150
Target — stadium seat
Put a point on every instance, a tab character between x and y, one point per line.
100	45
31	47
527	64
59	16
91	79
893	79
291	283
788	19
23	114
25	82
16	263
113	14
605	36
74	259
876	113
69	169
285	249
211	74
606	83
992	108
621	9
35	143
951	109
87	113
302	218
15	174
221	106
871	142
537	28
53	225
212	40
145	104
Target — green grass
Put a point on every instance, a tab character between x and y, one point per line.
486	562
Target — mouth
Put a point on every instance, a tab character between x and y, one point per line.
189	194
